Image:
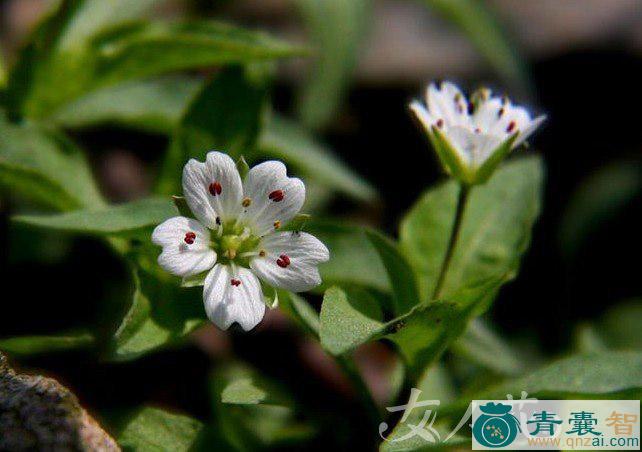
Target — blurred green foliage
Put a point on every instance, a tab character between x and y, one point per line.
91	63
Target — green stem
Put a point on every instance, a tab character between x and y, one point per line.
363	392
462	199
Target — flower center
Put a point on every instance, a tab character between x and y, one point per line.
234	243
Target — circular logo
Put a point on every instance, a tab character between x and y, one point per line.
496	427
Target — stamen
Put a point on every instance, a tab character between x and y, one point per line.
190	237
262	253
246	202
218	221
215	188
235	282
500	113
471	108
440	123
249	254
511	127
277	224
276	195
230	254
477	130
283	261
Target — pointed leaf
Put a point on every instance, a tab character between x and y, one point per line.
161	314
478	23
608	374
123	219
154	105
354	260
45	167
400	274
336	28
36	345
242	392
154	429
156	48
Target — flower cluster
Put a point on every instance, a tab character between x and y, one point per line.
471	137
237	237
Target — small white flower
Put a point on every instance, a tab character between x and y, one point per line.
472	137
236	237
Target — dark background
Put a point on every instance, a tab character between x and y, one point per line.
592	97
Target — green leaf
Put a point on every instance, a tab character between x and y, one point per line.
155	48
36	345
478	23
481	345
435	385
598	199
422	335
161	314
123	219
242	167
46	167
354	260
400	274
226	116
243	392
608	375
252	412
336	28
620	326
284	140
154	105
495	231
181	205
346	322
56	69
153	429
56	58
300	311
3	72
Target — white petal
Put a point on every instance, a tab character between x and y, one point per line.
179	257
529	129
463	141
227	302
448	103
484	147
486	114
263	182
426	119
304	252
220	169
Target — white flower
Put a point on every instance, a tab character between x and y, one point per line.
471	138
236	237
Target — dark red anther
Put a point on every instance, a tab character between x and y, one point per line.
440	123
500	112
190	237
215	188
471	108
477	130
276	195
283	261
235	282
511	127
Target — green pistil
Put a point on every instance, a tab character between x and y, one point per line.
232	244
